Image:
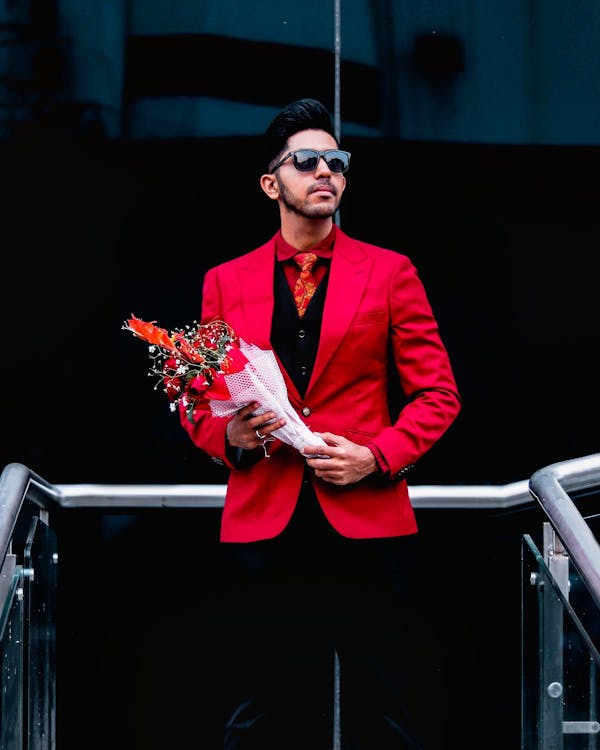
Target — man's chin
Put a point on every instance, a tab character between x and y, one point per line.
322	212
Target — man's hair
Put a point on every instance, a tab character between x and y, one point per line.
303	114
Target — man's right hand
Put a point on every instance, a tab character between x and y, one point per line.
247	431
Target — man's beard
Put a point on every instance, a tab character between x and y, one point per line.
305	209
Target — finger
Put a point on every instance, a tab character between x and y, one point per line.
330	438
313	452
248	410
262	420
268	423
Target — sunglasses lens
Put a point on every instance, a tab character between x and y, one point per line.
337	161
305	160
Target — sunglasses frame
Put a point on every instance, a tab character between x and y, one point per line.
320	155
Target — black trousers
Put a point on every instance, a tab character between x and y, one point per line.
294	602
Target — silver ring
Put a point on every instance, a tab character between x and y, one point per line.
259	435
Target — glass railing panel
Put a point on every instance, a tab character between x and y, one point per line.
589	507
11	654
40	556
588	504
559	661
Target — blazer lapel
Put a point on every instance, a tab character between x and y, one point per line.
348	276
255	278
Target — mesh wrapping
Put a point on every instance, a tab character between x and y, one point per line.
261	380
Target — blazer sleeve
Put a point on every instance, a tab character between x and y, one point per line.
424	370
207	431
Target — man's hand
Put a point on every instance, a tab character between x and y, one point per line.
246	431
346	462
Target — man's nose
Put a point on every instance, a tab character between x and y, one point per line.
322	166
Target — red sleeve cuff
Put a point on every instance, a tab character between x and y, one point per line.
382	464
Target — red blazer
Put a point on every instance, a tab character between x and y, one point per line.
375	304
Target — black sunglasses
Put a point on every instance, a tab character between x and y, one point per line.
306	160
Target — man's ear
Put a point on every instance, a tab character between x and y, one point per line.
268	183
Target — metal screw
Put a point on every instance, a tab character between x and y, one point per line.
555	689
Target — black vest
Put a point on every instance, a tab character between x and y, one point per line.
295	339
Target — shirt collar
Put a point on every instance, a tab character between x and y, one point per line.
323	249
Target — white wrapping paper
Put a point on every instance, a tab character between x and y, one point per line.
261	380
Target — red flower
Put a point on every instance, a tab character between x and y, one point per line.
172	382
150	333
218	389
187	349
234	361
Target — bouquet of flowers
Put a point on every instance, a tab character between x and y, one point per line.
210	360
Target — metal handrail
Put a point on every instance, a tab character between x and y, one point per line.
213	495
16	483
549	487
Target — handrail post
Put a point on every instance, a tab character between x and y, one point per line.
551	686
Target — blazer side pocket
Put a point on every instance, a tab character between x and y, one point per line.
359	436
369	318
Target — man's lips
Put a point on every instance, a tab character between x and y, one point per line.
323	189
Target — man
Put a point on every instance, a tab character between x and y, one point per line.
319	540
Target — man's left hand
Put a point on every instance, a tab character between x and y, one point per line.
346	462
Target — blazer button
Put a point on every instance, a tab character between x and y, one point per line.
306	411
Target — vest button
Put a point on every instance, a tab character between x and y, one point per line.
306	411
303	370
301	333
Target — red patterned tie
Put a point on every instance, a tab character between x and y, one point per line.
306	284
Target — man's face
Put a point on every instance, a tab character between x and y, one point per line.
316	194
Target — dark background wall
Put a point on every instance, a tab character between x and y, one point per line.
503	236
